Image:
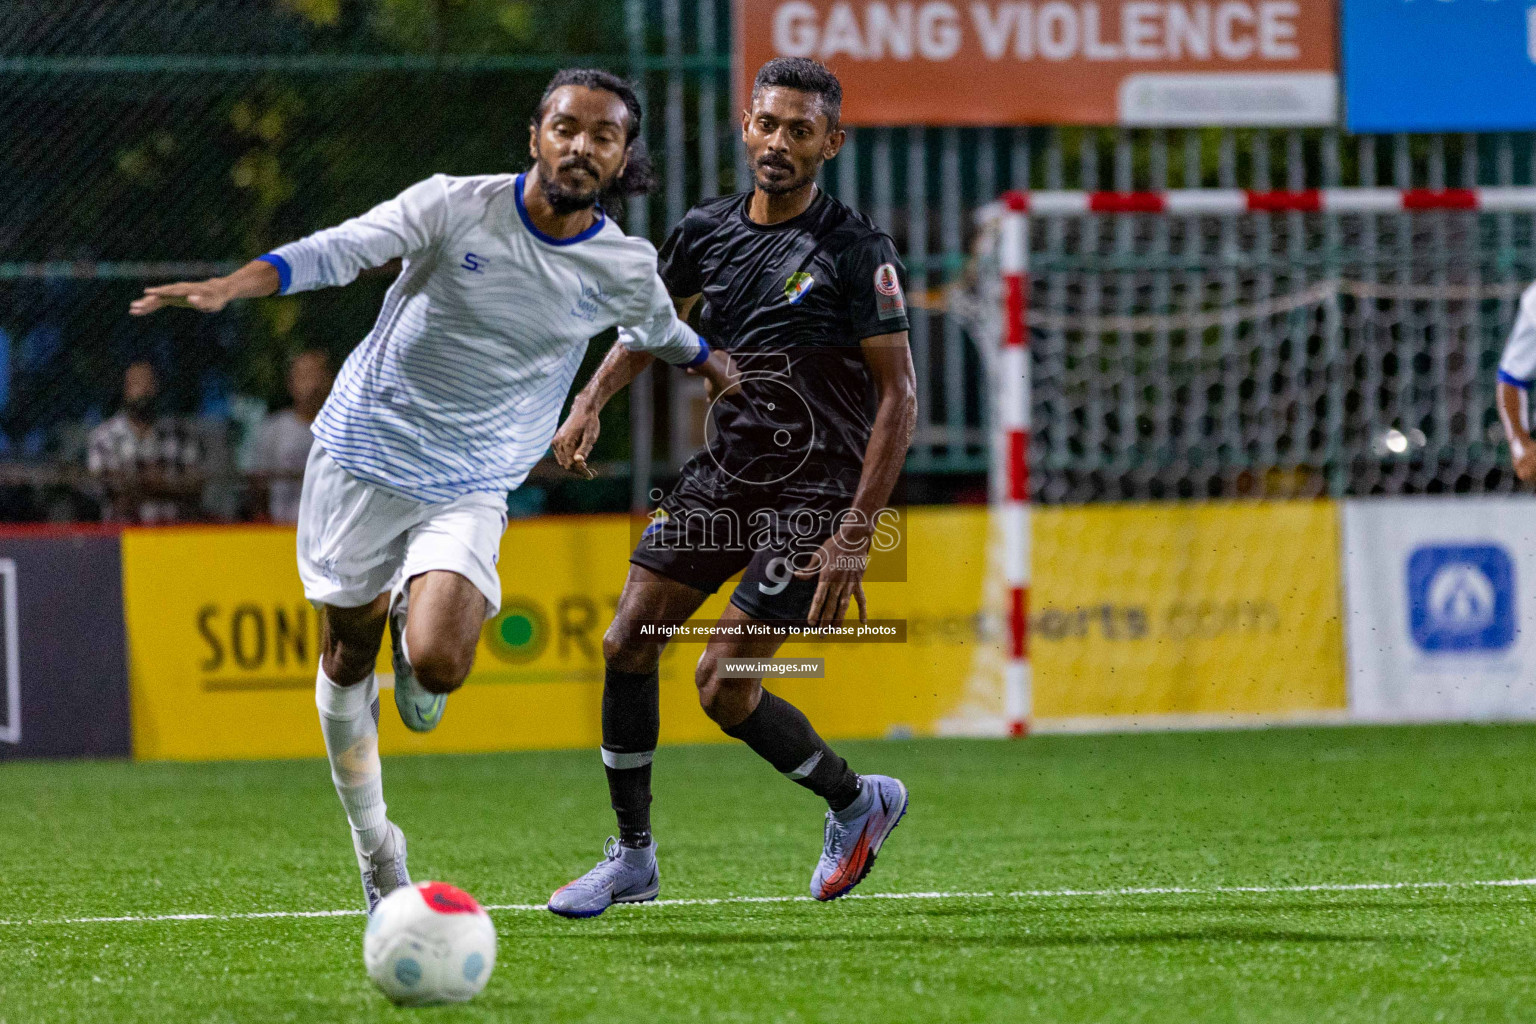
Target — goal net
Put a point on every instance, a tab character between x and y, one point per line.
1222	344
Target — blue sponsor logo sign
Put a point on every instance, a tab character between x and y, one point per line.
1439	65
1461	597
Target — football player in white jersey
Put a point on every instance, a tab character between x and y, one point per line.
1517	372
447	404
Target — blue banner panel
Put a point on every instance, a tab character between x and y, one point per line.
1439	65
63	656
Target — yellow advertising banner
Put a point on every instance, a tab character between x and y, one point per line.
1187	609
223	646
1139	613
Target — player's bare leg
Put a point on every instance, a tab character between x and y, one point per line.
347	696
433	628
446	612
631	724
730	701
862	811
349	640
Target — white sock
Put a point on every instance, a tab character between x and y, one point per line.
352	744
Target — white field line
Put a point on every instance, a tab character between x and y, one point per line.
1022	894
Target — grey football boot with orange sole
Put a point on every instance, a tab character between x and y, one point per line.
855	834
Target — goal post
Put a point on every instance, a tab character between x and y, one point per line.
1210	343
1011	388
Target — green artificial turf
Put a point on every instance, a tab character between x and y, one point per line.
1285	808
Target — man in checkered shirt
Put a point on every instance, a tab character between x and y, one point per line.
150	467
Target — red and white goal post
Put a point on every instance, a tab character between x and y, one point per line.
1010	387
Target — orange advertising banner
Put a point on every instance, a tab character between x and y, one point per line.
997	62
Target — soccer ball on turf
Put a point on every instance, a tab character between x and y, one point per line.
429	943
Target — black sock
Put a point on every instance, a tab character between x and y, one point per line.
631	723
783	737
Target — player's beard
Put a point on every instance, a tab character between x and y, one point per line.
783	186
563	198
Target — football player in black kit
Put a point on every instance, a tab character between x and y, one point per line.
801	299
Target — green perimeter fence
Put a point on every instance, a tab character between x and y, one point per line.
145	141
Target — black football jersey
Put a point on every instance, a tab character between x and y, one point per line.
791	302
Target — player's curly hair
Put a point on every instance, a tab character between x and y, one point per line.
803	75
639	177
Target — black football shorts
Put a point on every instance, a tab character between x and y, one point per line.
704	544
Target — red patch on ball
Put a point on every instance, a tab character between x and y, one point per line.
448	899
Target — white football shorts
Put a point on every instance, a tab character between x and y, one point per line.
357	540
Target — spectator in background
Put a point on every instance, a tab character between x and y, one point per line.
151	467
282	447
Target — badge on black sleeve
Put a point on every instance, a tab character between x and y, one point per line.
889	302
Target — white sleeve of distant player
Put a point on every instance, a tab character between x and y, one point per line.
96	452
654	327
410	223
1518	364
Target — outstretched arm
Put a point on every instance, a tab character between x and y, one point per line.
408	223
257	279
1517	370
1522	449
624	362
574	440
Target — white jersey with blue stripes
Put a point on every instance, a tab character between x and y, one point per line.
1517	365
458	387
